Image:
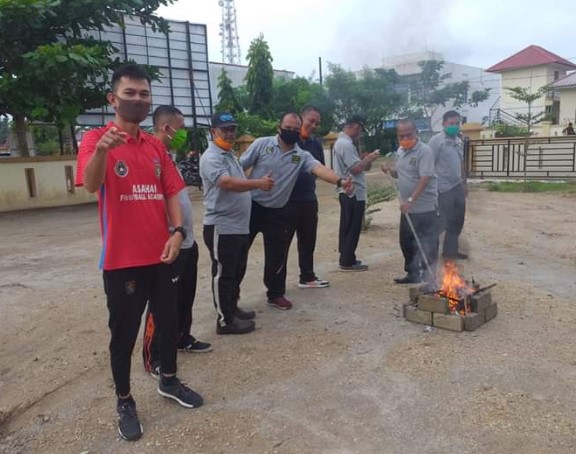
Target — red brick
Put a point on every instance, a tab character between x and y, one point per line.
481	302
432	303
491	312
473	321
417	316
452	322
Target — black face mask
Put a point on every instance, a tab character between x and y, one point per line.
132	111
289	137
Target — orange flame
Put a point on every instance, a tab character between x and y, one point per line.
454	287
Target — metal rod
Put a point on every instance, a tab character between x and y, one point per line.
483	289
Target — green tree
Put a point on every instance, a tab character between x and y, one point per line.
48	70
526	96
373	93
259	78
227	101
430	89
297	93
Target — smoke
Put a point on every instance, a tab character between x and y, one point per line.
370	31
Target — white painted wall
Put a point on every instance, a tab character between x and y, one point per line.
567	106
52	188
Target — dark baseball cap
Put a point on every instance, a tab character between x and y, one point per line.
357	119
222	120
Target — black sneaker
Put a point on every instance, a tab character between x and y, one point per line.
129	427
174	389
193	345
244	315
236	327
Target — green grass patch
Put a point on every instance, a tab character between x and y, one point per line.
533	186
379	193
376	193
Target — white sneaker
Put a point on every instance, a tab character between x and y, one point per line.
316	283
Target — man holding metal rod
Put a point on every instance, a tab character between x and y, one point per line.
418	195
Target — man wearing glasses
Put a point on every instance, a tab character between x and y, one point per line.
418	193
280	158
227	204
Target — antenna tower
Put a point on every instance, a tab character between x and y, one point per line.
229	33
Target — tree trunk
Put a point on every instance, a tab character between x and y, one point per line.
20	126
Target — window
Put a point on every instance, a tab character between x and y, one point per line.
556	75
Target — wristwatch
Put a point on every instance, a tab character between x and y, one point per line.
339	182
180	230
410	199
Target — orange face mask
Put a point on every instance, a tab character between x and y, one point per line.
224	144
304	133
407	144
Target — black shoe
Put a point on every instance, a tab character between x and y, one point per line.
236	327
354	268
244	315
172	388
408	279
457	256
129	427
193	345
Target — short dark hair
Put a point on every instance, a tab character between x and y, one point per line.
406	121
163	112
291	113
310	108
450	114
131	71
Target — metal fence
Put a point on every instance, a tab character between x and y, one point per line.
535	158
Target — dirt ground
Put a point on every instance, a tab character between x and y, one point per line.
340	373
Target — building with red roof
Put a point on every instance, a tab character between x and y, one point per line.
531	68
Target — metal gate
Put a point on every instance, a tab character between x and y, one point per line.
535	158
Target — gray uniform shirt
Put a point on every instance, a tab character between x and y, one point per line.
346	156
448	156
265	156
411	165
187	219
229	211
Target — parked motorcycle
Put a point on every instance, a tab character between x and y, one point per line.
190	169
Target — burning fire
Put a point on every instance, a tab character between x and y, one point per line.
455	288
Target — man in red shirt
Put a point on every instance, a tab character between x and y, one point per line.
137	184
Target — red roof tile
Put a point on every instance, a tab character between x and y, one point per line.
531	56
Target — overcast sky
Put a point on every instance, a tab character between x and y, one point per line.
355	33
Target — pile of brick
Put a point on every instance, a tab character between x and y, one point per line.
434	310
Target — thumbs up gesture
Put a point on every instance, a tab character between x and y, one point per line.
267	182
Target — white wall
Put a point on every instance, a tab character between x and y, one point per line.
51	186
533	79
567	106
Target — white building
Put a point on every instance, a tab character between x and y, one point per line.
532	69
478	79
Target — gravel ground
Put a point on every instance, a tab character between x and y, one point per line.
340	373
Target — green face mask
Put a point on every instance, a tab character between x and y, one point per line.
179	139
452	130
